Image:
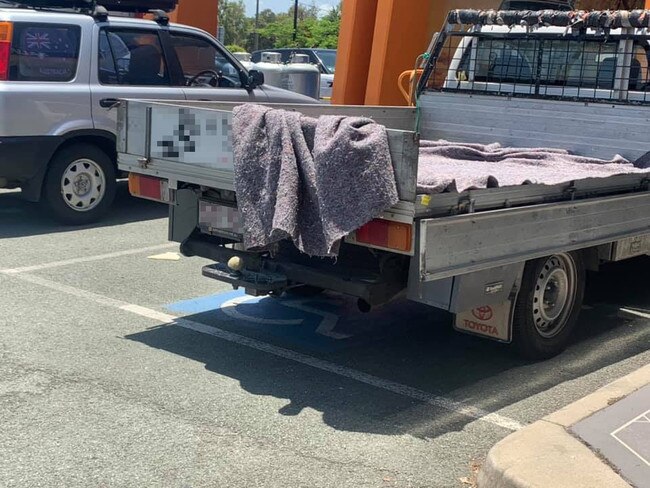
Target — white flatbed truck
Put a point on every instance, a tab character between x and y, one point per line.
509	262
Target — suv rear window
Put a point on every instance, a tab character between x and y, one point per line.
44	52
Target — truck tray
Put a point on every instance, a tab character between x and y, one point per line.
146	145
149	143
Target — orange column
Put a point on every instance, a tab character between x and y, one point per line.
353	53
401	34
197	13
647	3
381	38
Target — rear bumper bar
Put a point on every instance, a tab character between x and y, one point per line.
263	275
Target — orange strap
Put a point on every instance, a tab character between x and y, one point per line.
407	90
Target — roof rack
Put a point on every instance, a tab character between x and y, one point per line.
603	19
160	16
90	6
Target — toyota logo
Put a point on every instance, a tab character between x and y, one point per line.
483	313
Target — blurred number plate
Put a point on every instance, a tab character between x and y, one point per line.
220	220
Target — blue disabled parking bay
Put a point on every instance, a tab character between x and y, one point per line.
324	323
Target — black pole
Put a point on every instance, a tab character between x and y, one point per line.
257	19
295	20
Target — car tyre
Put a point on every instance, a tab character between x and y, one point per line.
80	185
548	305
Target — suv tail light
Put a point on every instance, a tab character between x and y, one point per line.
6	36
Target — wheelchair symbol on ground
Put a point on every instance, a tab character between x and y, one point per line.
323	323
314	322
328	320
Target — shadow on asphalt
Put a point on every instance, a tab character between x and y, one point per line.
634	274
423	355
19	218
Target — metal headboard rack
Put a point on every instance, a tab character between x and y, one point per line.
525	54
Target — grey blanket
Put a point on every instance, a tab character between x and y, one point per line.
309	180
451	166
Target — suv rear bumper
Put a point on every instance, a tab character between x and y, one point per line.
24	158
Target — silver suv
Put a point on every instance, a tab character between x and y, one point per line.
60	75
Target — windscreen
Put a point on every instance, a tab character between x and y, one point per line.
328	57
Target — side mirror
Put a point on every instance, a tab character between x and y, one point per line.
255	79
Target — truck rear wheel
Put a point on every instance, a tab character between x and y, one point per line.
80	185
548	305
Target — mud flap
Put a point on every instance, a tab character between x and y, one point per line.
491	321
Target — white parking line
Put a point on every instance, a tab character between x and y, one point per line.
387	385
72	290
643	418
87	259
637	313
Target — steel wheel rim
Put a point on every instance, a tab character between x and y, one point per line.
83	185
554	295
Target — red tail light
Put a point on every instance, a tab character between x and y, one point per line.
149	187
386	234
6	36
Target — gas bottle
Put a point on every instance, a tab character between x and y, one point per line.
270	64
301	76
245	59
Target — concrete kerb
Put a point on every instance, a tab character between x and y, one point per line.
545	454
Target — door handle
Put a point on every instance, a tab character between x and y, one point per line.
108	102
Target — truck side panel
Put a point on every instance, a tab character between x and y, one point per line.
455	245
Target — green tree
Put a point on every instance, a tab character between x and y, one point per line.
276	30
279	33
267	16
305	12
334	15
232	17
235	48
326	31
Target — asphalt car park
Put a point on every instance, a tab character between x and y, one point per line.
120	365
